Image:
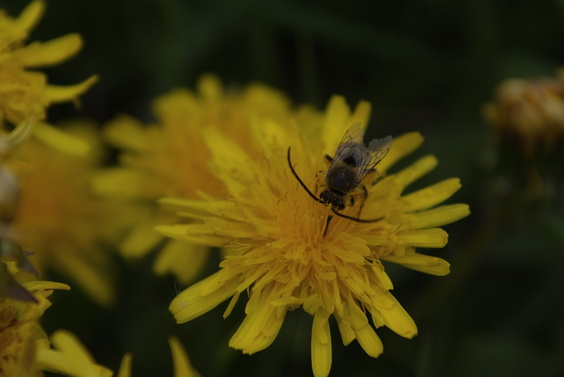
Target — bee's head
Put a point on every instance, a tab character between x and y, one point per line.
334	199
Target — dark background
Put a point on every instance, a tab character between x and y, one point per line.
427	66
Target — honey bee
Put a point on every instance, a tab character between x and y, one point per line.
353	161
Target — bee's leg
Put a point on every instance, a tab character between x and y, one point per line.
329	158
364	196
327	224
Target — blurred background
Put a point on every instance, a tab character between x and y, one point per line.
427	66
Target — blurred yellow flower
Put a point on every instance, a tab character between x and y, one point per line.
170	158
20	332
60	220
12	256
68	356
529	111
280	253
26	351
25	94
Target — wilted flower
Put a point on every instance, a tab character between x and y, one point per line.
529	111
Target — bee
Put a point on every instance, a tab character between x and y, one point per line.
353	161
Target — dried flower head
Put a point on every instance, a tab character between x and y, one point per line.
530	112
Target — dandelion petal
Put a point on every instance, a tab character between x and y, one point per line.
321	353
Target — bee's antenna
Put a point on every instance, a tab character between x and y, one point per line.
300	181
356	218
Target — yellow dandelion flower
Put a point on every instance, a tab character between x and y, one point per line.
61	220
20	332
65	354
285	254
530	111
169	158
25	94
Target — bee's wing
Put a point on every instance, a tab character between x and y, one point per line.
355	133
354	153
348	145
377	150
